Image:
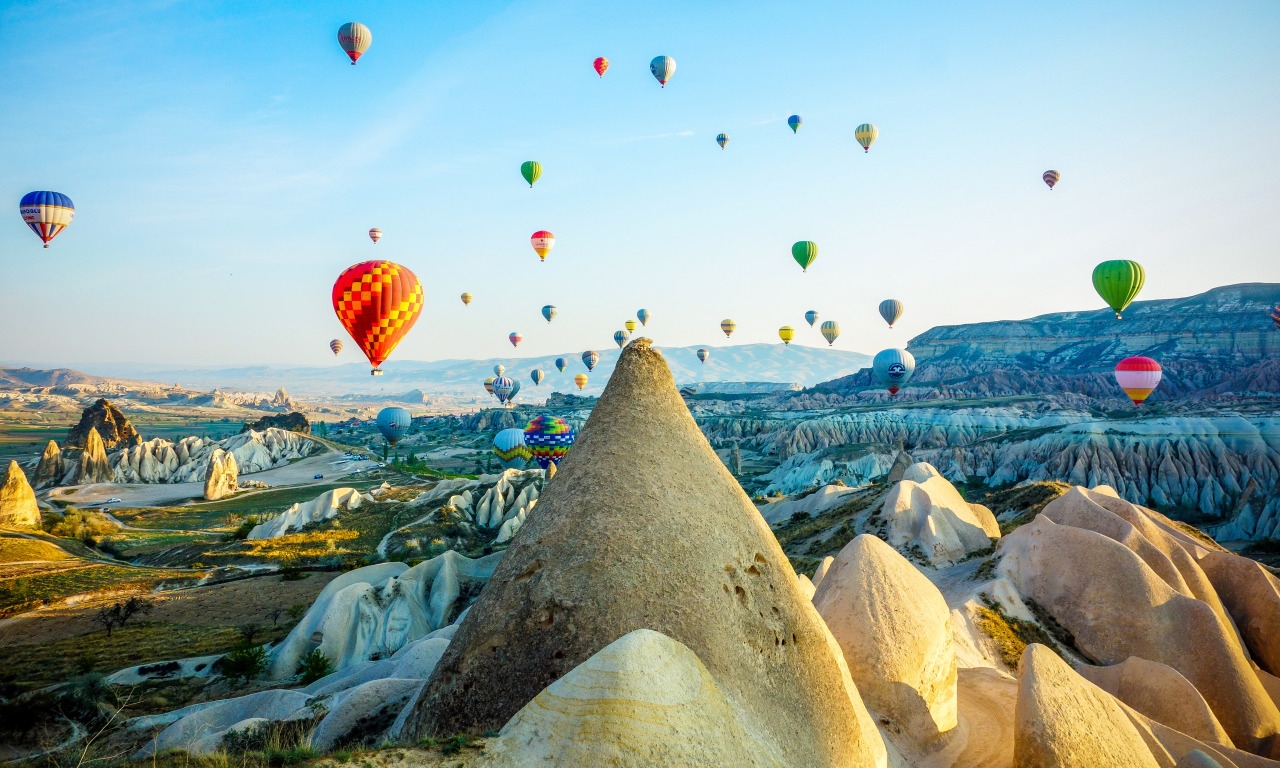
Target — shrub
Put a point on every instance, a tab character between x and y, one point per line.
116	616
242	533
313	666
244	663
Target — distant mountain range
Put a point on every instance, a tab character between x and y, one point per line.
1218	342
783	365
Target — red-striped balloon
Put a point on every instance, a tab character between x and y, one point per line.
515	339
1138	376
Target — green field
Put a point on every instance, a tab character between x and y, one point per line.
23	593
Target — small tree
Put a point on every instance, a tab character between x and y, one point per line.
248	633
116	616
314	665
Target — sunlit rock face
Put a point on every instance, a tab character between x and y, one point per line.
162	461
372	612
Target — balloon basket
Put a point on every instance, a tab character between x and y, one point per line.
375	372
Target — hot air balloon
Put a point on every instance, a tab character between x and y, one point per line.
786	333
336	346
663	67
394	423
510	448
643	315
1275	315
795	122
727	326
811	317
891	310
830	331
1118	282
515	338
499	369
543	241
549	312
488	384
531	170
502	387
561	364
1051	178
893	368
804	252
703	354
375	235
47	213
590	358
620	338
466	299
601	64
580	380
377	302
688	391
549	438
515	390
354	38
537	375
630	325
866	134
722	139
1138	376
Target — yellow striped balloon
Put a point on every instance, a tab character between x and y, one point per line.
1051	178
786	333
580	380
866	134
728	327
630	325
466	299
830	331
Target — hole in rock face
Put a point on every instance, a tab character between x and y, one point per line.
528	572
794	640
760	558
558	655
739	591
754	571
728	569
548	619
726	587
775	610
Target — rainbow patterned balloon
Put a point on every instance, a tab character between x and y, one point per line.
377	302
549	439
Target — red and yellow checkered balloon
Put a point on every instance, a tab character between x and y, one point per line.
377	302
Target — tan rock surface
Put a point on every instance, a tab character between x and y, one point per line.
598	558
1159	692
1252	597
93	467
17	500
1065	722
222	477
51	467
927	511
894	628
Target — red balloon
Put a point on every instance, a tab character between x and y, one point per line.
377	302
601	64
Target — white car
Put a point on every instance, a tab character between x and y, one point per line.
112	501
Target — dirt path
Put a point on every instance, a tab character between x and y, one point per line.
987	700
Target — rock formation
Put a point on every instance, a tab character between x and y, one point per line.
512	494
282	400
925	510
824	499
17	500
1063	722
597	559
112	427
293	422
1252	596
1107	552
161	461
51	467
93	466
323	507
641	701
223	476
895	630
1160	693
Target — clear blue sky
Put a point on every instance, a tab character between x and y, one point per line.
226	161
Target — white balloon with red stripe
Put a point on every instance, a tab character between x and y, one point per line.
1138	376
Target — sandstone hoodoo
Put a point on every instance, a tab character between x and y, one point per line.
222	478
597	559
113	428
93	466
17	500
51	468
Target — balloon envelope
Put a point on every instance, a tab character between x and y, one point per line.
515	390
866	134
811	317
830	331
515	339
893	368
643	315
537	375
510	448
703	354
786	333
375	234
502	387
393	423
601	64
630	325
804	252
466	299
1118	282
354	38
336	346
377	302
795	122
488	384
620	338
499	369
1275	315
590	358
663	67
1138	376
549	438
542	242
722	139
891	310
531	170
561	364
728	327
549	312
1051	178
46	213
580	380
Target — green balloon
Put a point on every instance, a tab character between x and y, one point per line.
531	171
1118	282
804	252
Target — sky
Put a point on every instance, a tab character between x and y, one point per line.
226	162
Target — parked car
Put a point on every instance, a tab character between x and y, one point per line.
318	477
112	501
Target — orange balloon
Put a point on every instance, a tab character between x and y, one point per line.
601	64
377	302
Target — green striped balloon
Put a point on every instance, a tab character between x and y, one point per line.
1118	282
531	170
804	252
